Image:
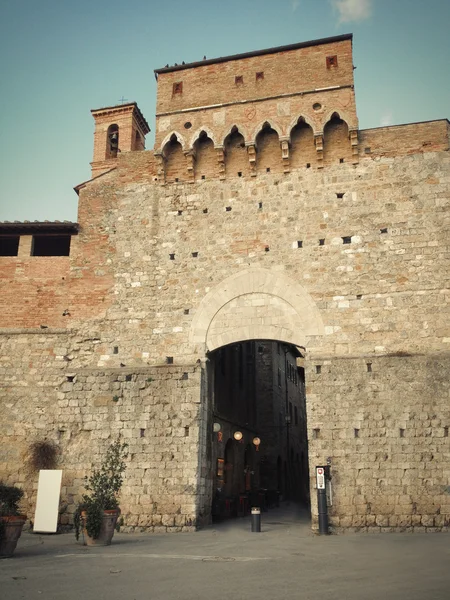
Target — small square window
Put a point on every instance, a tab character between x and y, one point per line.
177	87
332	61
260	76
239	80
9	245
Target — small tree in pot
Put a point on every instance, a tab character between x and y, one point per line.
11	521
97	514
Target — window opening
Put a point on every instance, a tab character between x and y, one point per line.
113	141
50	245
332	61
177	87
9	245
239	80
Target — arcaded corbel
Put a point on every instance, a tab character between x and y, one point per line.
160	165
251	151
353	134
284	143
318	140
220	152
190	164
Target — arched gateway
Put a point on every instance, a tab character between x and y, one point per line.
255	304
253	327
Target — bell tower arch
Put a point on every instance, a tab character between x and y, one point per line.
118	129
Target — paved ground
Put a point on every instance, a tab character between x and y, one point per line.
284	561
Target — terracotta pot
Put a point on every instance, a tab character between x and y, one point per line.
106	531
12	530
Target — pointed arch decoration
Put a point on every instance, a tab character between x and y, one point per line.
295	122
273	124
168	138
242	130
255	304
341	114
197	134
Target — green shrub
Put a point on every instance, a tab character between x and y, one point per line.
104	486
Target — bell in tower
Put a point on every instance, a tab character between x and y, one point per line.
118	129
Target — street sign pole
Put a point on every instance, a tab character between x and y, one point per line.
322	500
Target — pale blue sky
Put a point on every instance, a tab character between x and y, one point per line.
60	58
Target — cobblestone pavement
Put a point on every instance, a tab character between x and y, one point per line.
286	560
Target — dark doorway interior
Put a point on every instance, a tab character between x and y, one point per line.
260	448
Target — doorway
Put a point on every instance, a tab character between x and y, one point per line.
259	446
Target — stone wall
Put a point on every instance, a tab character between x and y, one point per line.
346	256
377	282
383	421
155	410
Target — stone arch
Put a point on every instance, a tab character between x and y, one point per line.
236	157
341	115
255	304
242	130
169	137
303	149
268	150
198	133
261	126
205	165
174	160
336	141
306	119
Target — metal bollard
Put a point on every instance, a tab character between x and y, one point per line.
256	519
322	500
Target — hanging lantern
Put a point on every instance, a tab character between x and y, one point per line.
217	427
256	443
238	436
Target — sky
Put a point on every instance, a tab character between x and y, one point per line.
61	58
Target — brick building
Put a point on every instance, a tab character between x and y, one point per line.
263	216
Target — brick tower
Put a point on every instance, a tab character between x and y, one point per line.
117	129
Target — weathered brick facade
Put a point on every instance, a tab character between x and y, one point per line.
262	213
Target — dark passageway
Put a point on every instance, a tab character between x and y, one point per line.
260	449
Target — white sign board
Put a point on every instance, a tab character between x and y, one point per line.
47	504
320	478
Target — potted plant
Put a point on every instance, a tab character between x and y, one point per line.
11	521
96	515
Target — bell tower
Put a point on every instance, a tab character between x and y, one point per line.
120	128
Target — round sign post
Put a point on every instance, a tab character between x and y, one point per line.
322	500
